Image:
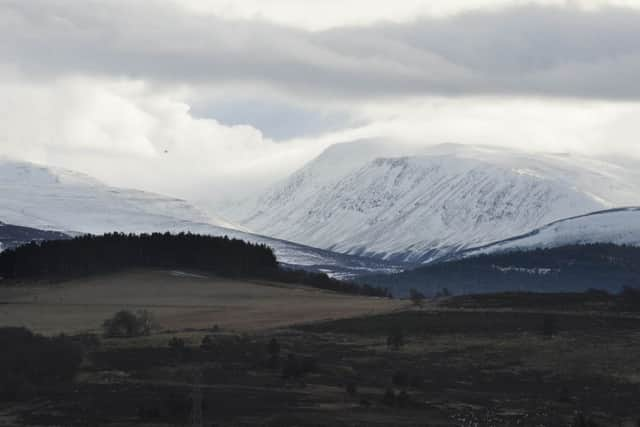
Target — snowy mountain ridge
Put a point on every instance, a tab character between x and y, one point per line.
620	226
433	202
58	200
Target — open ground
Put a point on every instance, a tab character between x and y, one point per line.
178	300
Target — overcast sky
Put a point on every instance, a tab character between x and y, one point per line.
203	98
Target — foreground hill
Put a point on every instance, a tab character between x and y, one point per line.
60	260
573	268
431	203
68	202
178	300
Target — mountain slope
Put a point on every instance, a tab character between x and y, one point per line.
619	226
572	268
63	201
66	201
12	236
435	202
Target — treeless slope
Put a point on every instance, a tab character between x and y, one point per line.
178	301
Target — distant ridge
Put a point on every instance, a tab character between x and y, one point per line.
65	203
619	226
12	236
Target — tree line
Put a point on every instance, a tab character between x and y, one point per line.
571	268
85	255
90	254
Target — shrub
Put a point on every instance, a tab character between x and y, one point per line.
389	397
351	388
417	298
549	326
125	324
295	367
206	343
402	400
87	341
290	369
395	339
581	421
400	379
417	382
444	293
29	361
630	297
273	348
177	344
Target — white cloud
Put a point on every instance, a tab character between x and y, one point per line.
321	15
128	135
526	51
106	87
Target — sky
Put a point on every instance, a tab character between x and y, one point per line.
211	100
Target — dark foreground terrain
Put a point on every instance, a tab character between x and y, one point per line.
499	360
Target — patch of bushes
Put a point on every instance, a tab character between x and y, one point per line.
630	298
29	361
298	366
125	324
549	326
395	339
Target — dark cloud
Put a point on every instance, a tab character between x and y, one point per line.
535	50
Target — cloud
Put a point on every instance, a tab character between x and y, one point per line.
316	15
521	51
206	102
127	134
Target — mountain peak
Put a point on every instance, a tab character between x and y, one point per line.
420	204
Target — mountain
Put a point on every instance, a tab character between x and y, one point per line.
619	226
62	200
424	204
12	236
572	268
68	202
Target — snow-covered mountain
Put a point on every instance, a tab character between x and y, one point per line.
619	226
431	202
12	236
62	201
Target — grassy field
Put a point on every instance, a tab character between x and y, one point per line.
476	361
178	301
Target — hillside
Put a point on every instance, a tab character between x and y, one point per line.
573	268
12	236
431	203
68	202
60	260
61	200
178	300
619	226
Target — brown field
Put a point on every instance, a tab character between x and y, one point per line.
178	301
477	361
